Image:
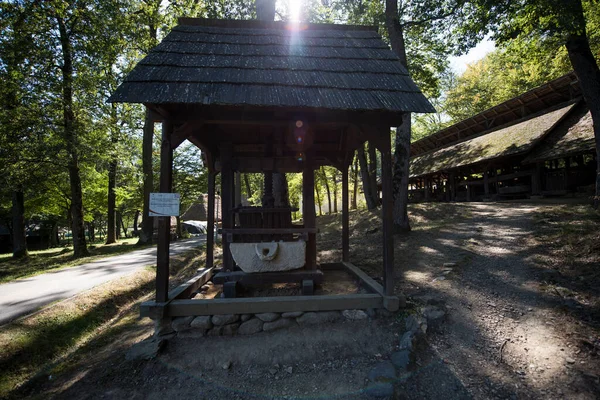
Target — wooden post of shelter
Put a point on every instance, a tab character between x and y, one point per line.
164	223
227	198
427	192
452	183
345	215
486	187
309	215
536	180
210	221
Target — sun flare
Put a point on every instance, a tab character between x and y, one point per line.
294	7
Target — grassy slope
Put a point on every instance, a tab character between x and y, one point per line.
35	347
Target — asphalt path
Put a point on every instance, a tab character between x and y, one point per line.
27	295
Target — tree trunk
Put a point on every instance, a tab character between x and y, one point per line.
135	222
335	191
178	229
353	205
248	187
54	239
70	136
317	195
588	73
373	172
400	177
265	10
18	225
111	236
403	132
122	224
364	173
327	188
280	190
147	221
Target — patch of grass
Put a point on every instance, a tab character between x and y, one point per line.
33	348
43	261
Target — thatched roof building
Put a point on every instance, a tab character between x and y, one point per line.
541	142
272	97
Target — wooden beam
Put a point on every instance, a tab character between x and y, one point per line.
164	223
180	308
268	277
185	290
309	215
210	221
267	231
369	283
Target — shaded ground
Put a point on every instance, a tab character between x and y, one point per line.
523	320
523	298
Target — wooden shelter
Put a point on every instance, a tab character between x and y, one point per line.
259	96
539	143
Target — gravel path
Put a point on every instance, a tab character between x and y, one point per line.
506	336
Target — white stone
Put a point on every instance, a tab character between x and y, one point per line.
355	315
269	257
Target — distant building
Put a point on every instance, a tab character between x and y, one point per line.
539	143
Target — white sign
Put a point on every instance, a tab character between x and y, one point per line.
164	204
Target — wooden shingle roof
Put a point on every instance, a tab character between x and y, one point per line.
560	90
516	138
269	64
574	136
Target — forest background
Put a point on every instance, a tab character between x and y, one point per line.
73	163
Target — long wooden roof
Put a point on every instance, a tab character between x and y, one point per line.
513	139
574	136
273	65
557	91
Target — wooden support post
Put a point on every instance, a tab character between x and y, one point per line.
468	192
226	202
427	192
164	223
308	211
210	221
536	180
387	210
345	216
486	187
238	189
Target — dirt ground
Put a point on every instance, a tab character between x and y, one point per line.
523	320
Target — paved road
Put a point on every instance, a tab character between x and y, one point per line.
27	295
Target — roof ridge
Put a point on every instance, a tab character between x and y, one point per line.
277	69
281	25
277	84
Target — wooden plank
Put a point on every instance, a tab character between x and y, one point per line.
180	308
210	221
267	231
368	282
164	223
186	289
267	277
